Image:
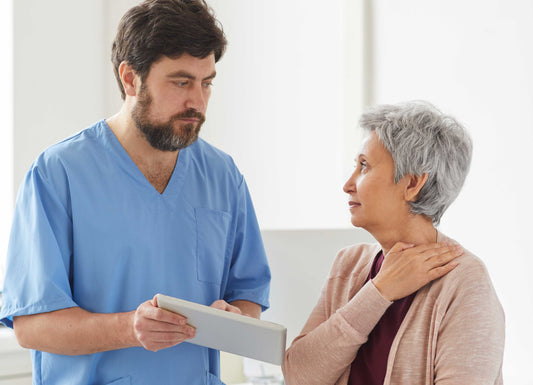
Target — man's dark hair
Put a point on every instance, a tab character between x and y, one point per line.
170	28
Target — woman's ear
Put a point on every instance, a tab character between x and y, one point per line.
414	185
127	77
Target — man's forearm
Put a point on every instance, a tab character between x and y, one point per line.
248	308
75	331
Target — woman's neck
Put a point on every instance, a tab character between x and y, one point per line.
416	230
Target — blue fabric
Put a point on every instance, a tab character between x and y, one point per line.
89	230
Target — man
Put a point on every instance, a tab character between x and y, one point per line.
133	206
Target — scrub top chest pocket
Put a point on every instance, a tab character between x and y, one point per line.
212	231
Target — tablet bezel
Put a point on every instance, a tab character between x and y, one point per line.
230	332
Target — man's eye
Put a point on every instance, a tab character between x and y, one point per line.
181	84
208	84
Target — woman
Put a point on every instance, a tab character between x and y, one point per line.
415	308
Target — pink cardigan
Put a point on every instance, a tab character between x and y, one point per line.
453	333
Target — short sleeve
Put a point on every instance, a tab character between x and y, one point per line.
249	274
39	252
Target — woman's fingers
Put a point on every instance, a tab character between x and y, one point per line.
401	246
434	254
407	268
440	271
441	255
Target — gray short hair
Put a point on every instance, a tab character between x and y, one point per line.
421	139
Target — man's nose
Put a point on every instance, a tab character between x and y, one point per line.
196	99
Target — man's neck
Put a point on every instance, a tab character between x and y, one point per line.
156	165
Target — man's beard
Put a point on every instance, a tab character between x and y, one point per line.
161	136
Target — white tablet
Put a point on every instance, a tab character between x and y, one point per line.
230	332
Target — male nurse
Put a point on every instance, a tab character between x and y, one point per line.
133	206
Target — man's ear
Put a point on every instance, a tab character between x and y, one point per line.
128	78
414	185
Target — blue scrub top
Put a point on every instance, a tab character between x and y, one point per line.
89	230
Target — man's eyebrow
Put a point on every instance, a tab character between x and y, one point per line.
188	75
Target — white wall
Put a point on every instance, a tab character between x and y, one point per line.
474	60
300	261
283	105
58	77
6	132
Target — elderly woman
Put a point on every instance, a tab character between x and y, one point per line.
414	308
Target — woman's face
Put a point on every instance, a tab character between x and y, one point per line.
375	201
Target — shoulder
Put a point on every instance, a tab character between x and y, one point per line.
77	148
471	271
466	304
468	287
353	259
470	279
72	148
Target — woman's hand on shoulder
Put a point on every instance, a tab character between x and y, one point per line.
406	268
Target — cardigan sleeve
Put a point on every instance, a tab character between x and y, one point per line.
327	346
471	335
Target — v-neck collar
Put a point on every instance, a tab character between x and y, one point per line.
177	179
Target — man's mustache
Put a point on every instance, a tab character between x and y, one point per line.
190	113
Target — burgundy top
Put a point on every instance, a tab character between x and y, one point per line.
370	364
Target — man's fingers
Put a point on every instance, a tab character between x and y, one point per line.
169	337
223	305
160	326
157	341
155	335
157	328
220	305
173	337
234	309
148	310
167	316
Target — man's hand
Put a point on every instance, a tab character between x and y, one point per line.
406	268
223	305
157	329
247	308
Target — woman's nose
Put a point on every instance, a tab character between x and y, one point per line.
349	186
